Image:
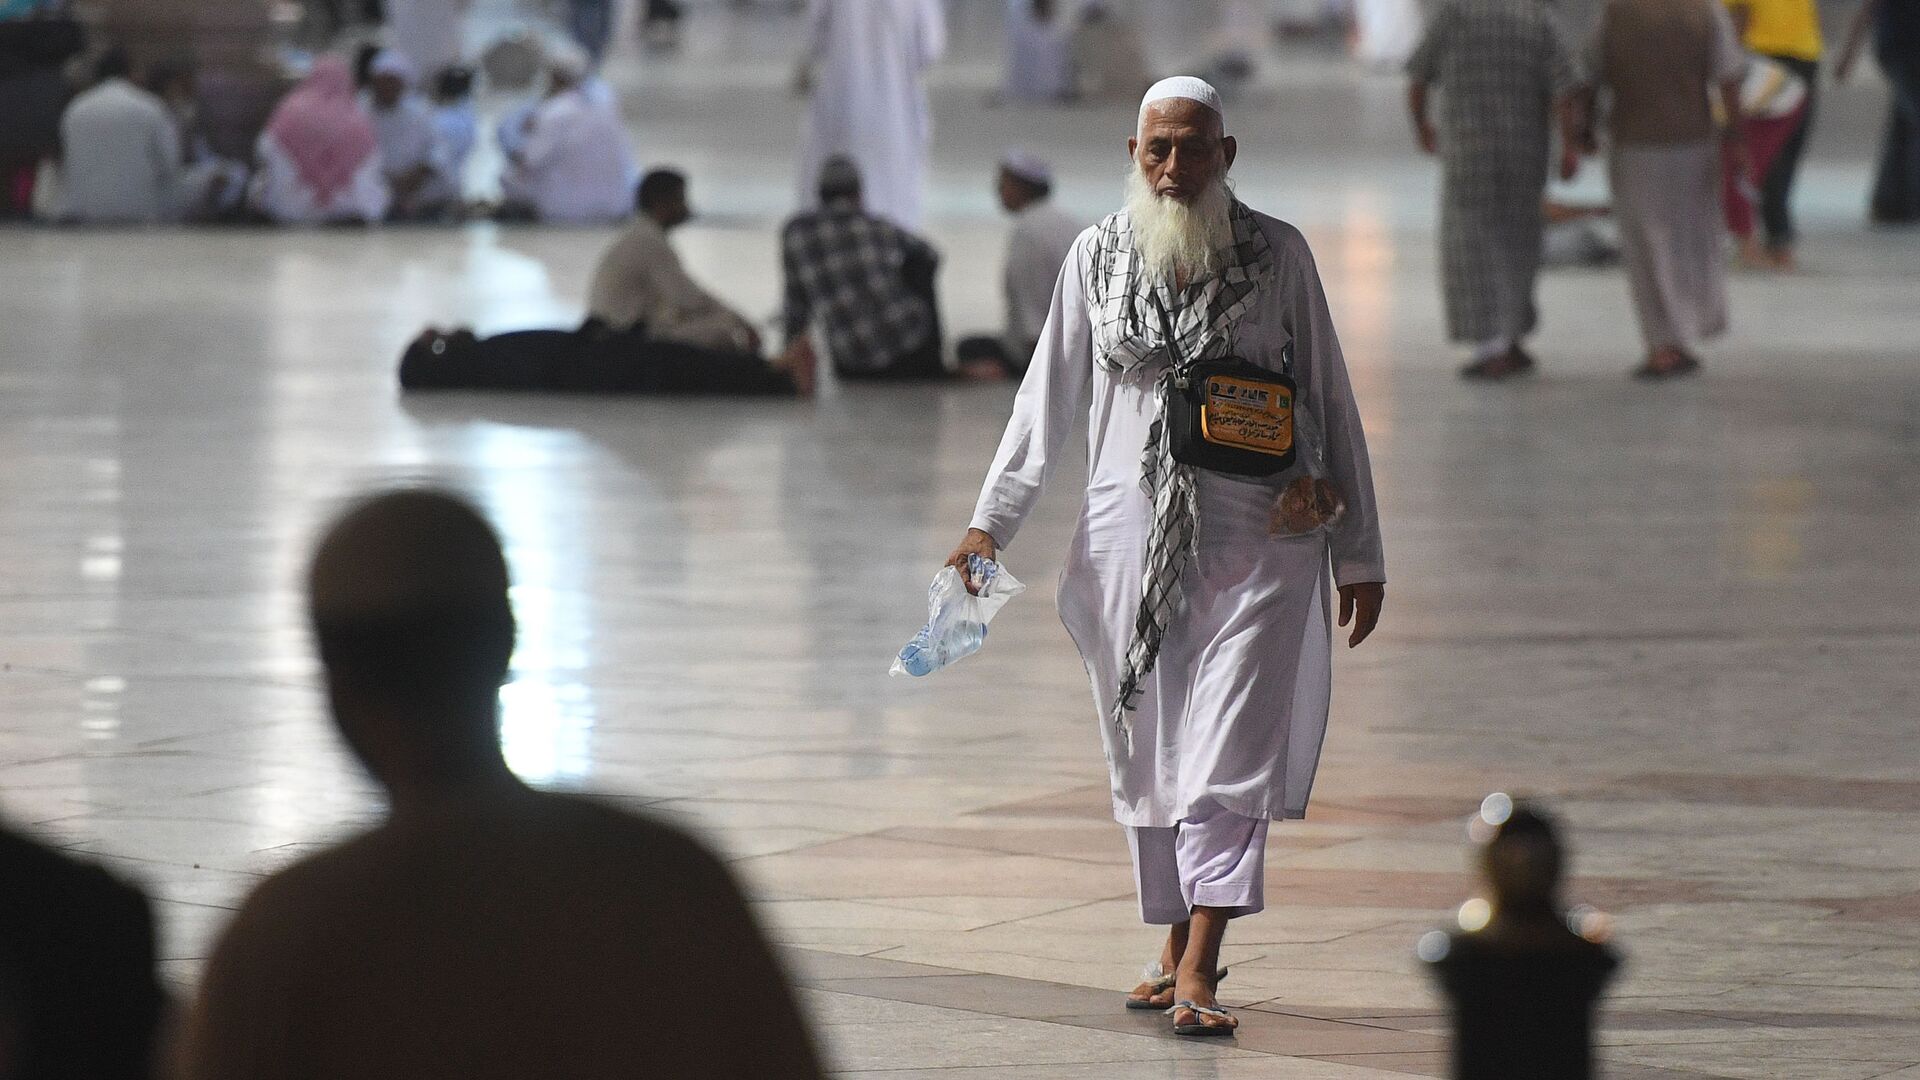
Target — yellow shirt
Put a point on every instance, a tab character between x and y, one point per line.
1781	27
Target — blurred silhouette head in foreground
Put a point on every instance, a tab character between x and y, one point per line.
408	595
483	929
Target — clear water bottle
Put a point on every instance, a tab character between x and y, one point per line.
926	654
956	619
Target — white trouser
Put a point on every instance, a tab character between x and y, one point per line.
1212	858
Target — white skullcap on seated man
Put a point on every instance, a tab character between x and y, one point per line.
1199	601
1028	166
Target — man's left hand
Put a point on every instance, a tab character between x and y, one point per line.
1360	603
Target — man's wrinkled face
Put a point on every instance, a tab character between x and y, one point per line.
1180	149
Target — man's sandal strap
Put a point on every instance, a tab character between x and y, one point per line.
1203	1010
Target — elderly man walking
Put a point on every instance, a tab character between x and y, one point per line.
1207	634
1501	66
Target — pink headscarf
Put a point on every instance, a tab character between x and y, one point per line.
323	129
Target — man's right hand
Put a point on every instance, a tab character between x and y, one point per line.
1429	138
975	542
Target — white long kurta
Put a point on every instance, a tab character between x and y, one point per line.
869	61
1236	707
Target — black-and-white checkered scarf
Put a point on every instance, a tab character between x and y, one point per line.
1126	335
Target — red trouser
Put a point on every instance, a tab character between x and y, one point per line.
1765	140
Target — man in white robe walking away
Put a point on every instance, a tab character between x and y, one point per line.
865	67
1213	683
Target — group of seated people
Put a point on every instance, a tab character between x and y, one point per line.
856	283
344	146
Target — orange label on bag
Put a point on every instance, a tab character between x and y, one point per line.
1247	413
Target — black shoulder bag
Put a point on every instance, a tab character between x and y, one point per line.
1229	415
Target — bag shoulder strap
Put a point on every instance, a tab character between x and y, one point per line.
1180	364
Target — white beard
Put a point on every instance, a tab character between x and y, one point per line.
1179	241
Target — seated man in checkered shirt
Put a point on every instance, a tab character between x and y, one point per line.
865	283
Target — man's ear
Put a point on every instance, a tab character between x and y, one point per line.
1229	146
1133	148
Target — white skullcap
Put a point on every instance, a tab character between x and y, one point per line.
392	62
568	59
1183	86
1028	166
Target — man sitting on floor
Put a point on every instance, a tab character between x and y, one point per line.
124	163
571	163
640	279
417	166
649	330
865	281
1037	247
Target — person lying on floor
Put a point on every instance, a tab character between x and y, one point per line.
650	329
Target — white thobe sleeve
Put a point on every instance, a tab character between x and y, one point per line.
1355	541
932	32
819	30
1052	398
544	140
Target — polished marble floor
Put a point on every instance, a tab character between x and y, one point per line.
1685	615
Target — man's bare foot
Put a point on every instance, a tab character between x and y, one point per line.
802	365
1192	986
1498	368
1666	362
1781	259
982	371
1152	994
1157	991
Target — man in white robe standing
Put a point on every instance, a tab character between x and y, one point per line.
865	67
1207	636
1039	54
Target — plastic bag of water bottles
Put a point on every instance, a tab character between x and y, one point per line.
957	619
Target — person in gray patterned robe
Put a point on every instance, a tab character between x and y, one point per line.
1504	70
